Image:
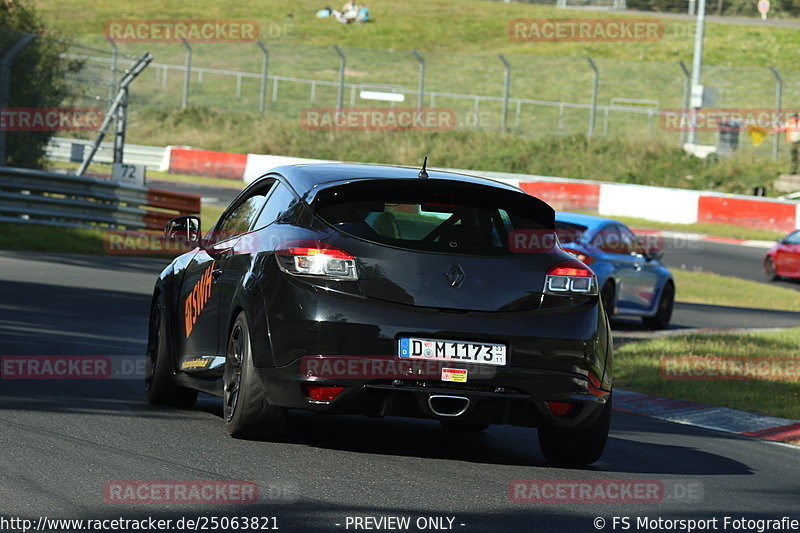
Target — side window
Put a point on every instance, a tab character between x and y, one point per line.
278	203
630	242
240	219
794	238
608	240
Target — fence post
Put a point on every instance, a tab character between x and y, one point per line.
421	85
262	96
112	86
340	91
778	104
121	116
593	110
185	100
5	83
113	110
506	89
687	83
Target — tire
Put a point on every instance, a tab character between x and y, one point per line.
576	446
608	294
159	384
247	413
664	313
769	269
463	426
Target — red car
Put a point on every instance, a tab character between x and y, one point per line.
783	259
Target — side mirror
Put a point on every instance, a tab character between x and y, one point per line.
653	255
184	229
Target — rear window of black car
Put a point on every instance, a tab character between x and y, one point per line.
448	216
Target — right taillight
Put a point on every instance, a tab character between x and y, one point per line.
570	277
316	259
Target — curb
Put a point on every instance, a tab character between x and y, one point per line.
719	240
707	416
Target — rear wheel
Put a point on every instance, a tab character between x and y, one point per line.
159	383
607	295
248	414
769	269
463	426
576	446
664	313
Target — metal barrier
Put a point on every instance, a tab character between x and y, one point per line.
72	150
38	197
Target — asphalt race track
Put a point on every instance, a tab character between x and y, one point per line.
63	440
720	258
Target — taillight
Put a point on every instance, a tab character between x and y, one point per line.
317	259
560	408
323	393
570	277
580	256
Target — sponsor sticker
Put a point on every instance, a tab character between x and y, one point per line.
195	363
454	374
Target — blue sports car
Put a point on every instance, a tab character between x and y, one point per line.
631	278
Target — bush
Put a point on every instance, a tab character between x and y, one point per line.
38	77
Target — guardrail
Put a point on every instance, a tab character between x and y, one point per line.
38	197
72	150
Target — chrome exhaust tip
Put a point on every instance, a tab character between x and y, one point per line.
445	405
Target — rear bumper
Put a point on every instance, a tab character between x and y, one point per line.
558	354
511	396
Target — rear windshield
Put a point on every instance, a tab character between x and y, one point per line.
446	217
568	232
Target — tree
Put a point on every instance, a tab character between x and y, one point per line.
39	77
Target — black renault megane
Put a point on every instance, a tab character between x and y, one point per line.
385	291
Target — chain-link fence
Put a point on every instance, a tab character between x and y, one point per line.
545	95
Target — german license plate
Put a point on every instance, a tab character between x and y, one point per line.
482	353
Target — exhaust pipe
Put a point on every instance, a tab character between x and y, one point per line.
446	405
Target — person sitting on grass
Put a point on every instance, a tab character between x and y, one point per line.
363	14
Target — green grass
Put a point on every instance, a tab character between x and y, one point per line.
473	26
716	230
51	239
379	53
638	367
30	237
714	289
643	161
194	180
636	149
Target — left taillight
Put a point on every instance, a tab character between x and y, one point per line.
570	278
316	259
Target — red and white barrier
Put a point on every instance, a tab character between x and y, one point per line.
681	206
765	213
194	162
